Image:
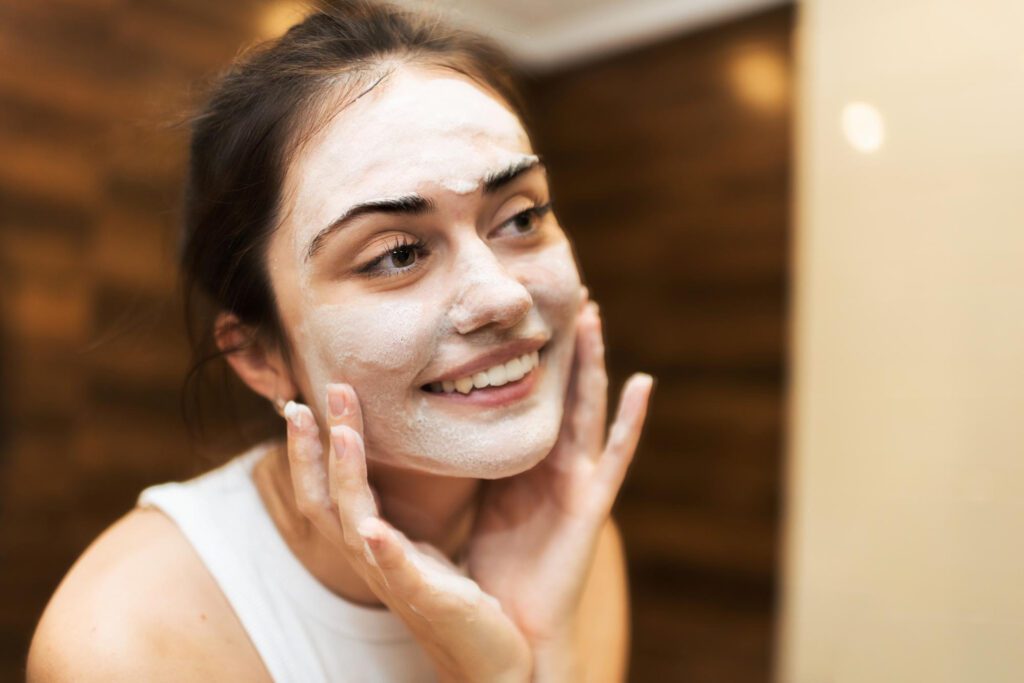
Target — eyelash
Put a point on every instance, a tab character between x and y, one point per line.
419	247
533	213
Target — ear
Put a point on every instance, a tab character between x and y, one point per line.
262	369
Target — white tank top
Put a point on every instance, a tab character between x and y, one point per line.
303	631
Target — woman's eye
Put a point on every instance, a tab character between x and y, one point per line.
403	256
396	259
525	222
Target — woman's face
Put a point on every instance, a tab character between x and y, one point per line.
416	251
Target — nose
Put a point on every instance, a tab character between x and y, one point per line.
486	293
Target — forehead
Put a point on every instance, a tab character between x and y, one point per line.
418	131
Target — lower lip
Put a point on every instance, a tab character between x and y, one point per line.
494	396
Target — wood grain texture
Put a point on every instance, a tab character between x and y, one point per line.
93	352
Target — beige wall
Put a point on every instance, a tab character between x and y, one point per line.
905	534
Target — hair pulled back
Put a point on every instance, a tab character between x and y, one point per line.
257	115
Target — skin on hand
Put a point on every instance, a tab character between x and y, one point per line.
463	630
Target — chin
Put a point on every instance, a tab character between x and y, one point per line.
504	450
521	461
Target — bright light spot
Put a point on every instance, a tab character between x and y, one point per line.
759	77
863	127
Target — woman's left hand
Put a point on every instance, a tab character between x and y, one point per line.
536	533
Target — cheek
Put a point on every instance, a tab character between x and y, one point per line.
554	283
377	349
553	280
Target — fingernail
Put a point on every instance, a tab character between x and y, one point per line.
338	440
295	413
336	401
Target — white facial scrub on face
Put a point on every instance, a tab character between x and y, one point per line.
438	135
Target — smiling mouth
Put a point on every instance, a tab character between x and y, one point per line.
510	372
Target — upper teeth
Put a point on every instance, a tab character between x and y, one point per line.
511	371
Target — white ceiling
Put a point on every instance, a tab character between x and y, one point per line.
547	34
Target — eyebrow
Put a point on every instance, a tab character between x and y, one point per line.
414	204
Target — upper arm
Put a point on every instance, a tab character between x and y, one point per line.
112	650
604	611
138	606
67	648
89	632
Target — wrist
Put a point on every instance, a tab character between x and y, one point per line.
511	676
555	658
518	672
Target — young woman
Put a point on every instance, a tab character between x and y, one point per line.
367	214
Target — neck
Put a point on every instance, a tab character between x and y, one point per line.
425	507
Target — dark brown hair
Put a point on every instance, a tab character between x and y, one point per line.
259	112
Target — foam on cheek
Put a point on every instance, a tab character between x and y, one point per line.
553	281
384	343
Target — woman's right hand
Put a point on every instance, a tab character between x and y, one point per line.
463	629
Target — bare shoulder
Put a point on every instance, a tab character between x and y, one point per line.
604	611
140	605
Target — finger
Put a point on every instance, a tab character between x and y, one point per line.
308	470
396	569
591	404
623	439
392	577
352	495
342	409
427	585
570	394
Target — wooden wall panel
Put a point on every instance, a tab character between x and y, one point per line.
91	347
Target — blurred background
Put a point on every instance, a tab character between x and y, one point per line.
804	220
